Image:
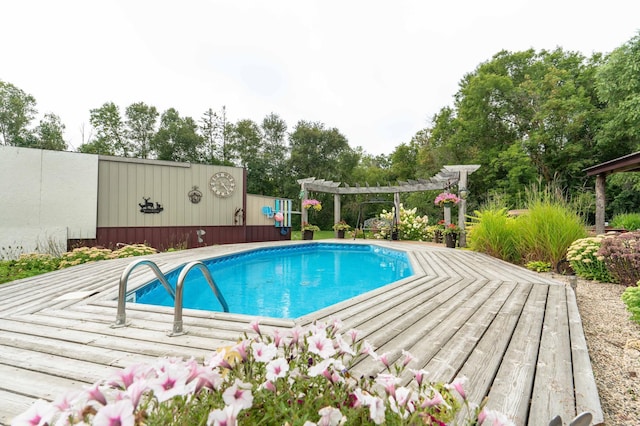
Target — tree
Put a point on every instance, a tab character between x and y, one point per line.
140	128
177	139
110	131
521	115
275	153
49	134
618	87
17	110
321	153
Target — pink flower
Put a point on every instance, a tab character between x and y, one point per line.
277	368
264	352
171	381
458	385
330	416
296	332
119	413
367	349
446	198
354	335
40	413
435	400
226	417
321	345
277	337
384	359
241	348
95	394
238	394
419	375
493	418
377	410
343	346
255	325
389	382
407	357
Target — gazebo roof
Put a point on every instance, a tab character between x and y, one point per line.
628	163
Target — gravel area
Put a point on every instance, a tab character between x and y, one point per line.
614	347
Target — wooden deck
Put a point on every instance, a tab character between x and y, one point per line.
517	336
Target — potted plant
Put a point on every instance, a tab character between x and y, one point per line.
308	230
438	228
341	227
450	233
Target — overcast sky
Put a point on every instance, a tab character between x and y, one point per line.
378	71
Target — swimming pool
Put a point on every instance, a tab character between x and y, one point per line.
285	282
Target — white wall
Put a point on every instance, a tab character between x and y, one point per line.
46	197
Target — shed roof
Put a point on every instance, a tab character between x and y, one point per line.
628	163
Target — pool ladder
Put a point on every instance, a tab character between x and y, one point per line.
121	317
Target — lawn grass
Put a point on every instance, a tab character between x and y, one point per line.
318	235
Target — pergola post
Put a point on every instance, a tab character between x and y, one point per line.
462	207
336	211
600	203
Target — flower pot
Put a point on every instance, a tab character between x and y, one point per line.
340	233
437	236
307	235
450	240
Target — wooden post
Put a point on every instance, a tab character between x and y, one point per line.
447	214
462	207
304	216
600	203
336	211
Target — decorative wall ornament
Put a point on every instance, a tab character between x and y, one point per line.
195	195
222	184
149	207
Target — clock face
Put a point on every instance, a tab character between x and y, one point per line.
222	184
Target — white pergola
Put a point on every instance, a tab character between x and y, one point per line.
447	177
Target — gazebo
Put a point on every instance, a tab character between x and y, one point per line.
628	163
445	178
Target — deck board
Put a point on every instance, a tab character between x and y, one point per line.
515	335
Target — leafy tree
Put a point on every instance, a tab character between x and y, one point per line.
521	115
110	132
177	139
322	153
275	153
618	86
140	128
49	134
17	110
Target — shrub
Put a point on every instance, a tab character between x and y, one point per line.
539	266
297	378
584	260
547	229
631	297
493	232
621	254
132	250
628	221
410	226
83	255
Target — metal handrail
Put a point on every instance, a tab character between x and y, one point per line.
121	317
177	314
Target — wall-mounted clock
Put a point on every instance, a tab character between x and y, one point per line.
222	184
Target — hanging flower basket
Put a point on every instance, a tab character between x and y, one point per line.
446	199
311	203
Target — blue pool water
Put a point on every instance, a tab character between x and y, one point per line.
285	282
